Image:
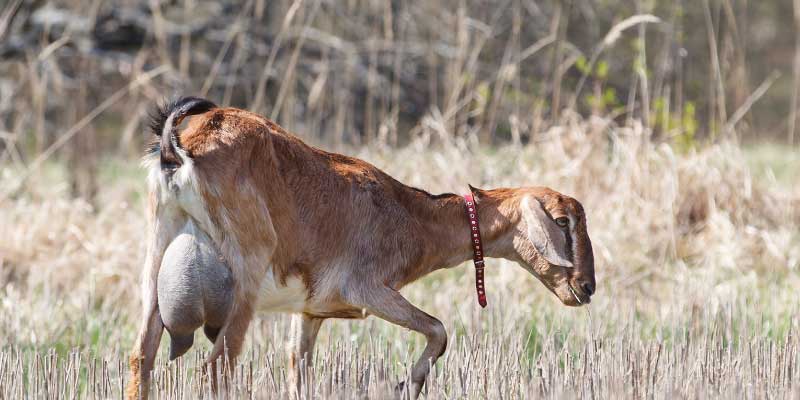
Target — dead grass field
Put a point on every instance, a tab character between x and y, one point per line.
696	237
697	260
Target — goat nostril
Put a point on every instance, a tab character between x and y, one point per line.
588	288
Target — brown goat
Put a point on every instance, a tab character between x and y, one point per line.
322	235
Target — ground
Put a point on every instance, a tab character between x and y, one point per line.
697	269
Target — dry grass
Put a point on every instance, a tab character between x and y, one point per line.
475	367
698	251
697	262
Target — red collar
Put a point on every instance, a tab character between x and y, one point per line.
477	246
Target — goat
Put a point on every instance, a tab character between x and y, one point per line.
322	235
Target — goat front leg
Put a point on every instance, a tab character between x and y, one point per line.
301	348
388	304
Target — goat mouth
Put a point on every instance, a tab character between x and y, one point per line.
577	297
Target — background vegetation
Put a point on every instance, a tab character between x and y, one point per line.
673	122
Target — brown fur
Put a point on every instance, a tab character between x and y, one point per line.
351	233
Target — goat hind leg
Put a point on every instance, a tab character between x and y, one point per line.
229	342
230	338
144	355
164	223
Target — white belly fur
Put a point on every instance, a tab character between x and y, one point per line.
274	297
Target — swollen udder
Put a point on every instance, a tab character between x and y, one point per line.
195	288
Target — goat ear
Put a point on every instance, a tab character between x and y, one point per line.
544	234
475	191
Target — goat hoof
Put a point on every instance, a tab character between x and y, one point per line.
403	391
399	389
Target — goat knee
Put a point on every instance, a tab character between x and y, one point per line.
437	337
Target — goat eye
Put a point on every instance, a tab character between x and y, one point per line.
562	221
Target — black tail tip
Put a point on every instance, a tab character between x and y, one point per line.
178	109
187	105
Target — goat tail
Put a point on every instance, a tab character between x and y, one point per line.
164	123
